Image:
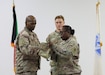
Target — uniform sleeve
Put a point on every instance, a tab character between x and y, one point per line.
25	46
76	51
61	51
65	51
52	38
48	39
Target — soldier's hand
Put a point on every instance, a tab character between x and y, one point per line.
34	51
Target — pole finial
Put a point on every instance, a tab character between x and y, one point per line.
98	3
13	3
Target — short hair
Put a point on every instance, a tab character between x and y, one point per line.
69	29
29	16
60	17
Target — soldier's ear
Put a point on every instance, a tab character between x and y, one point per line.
64	22
26	23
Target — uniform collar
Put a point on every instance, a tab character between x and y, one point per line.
57	32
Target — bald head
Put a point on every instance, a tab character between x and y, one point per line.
30	22
30	18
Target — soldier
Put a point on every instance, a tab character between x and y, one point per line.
27	48
67	53
55	38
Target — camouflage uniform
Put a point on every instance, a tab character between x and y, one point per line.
27	58
45	50
54	38
66	62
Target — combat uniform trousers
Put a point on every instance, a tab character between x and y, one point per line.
27	73
53	65
54	70
71	74
76	74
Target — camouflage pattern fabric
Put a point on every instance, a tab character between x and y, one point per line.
54	38
70	74
27	48
28	73
66	52
45	50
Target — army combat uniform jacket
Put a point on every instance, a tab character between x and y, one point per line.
68	54
54	38
27	48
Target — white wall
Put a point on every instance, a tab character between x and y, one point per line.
80	14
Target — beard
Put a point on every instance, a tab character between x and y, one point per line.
31	29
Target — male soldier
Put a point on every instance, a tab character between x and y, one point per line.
55	38
67	52
27	48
